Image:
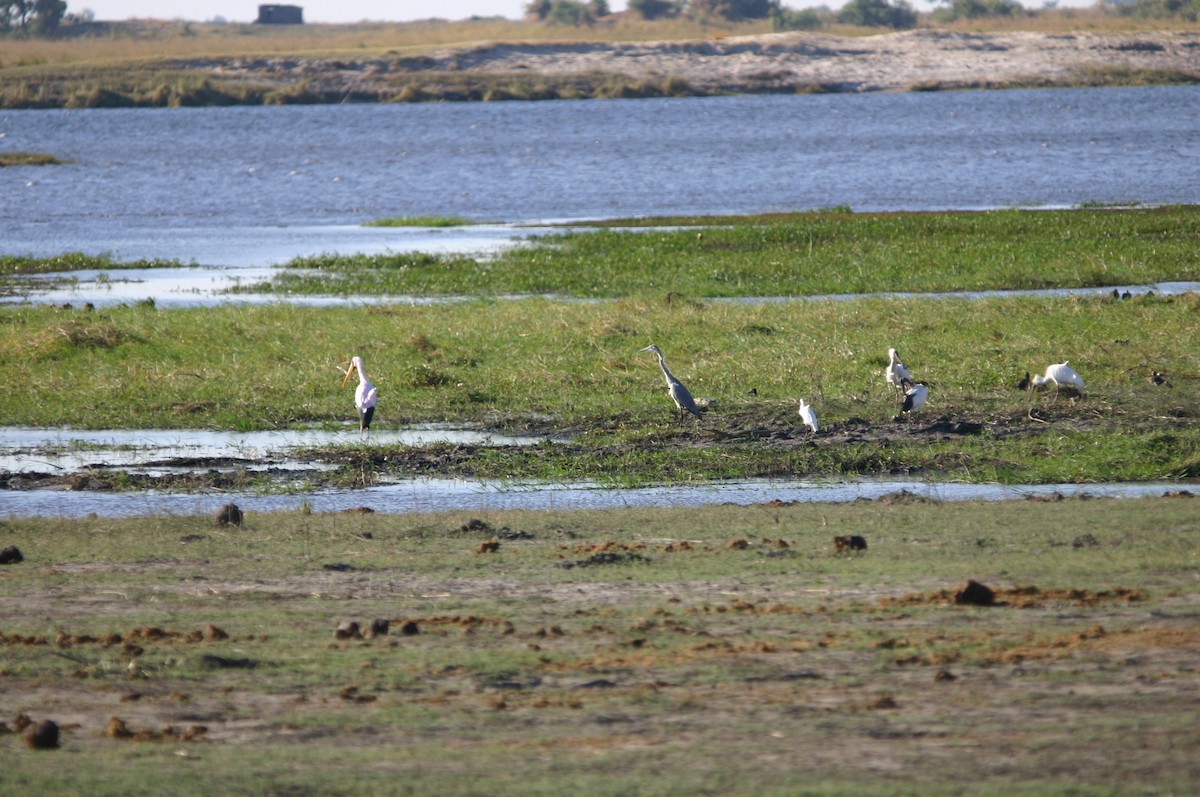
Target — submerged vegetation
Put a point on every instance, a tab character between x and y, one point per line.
420	221
13	265
29	159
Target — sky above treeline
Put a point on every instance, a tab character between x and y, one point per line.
344	11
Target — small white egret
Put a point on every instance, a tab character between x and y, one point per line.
679	394
896	372
914	398
1060	374
364	396
809	416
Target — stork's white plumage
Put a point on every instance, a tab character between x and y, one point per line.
896	372
914	398
679	394
365	395
1061	375
809	416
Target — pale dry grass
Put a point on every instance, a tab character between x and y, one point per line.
149	40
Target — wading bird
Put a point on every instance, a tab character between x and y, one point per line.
914	398
896	372
808	416
679	394
1060	374
364	396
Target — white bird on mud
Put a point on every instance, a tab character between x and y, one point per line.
896	372
1061	375
914	398
809	416
679	394
364	396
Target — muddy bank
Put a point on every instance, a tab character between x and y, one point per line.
341	466
773	63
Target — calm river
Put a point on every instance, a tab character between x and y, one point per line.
257	185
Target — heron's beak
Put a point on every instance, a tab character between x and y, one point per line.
349	371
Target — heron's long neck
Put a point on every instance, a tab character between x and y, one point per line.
667	374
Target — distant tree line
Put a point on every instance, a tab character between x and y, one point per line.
31	17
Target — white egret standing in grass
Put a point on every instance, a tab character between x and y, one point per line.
364	396
809	416
1060	374
896	372
914	398
679	394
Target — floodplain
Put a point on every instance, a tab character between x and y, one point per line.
739	650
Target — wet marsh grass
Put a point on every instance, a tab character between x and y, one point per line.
816	253
30	159
13	265
695	662
573	368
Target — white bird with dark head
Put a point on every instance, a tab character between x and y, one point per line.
914	398
1061	375
365	395
809	416
896	372
679	394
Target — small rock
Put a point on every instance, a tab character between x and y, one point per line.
849	542
229	515
10	555
117	729
378	627
347	629
410	628
975	594
489	546
41	735
213	634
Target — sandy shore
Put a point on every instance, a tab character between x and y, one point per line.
784	62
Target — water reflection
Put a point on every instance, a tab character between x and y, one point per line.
203	286
29	450
440	495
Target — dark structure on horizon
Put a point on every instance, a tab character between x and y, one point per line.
280	15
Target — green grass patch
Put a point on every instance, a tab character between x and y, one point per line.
29	159
824	252
574	369
12	265
420	221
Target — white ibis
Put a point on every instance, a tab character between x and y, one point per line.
896	372
1060	374
364	396
808	416
914	398
679	394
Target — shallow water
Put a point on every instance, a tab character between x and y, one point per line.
30	450
438	495
202	286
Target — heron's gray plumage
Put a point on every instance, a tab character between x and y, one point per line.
679	394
